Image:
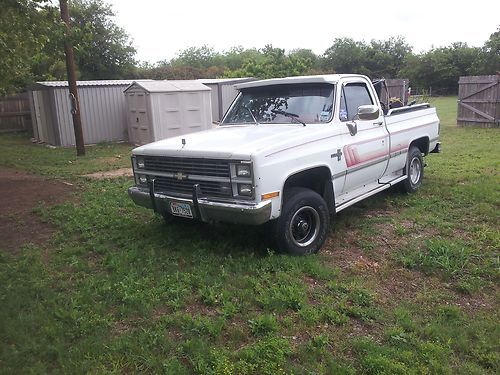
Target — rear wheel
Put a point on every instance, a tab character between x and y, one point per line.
303	225
414	170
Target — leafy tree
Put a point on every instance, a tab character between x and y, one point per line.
31	43
273	63
440	68
345	56
236	57
102	49
195	57
22	38
488	60
385	58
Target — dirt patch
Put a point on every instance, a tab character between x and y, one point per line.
20	192
195	307
122	172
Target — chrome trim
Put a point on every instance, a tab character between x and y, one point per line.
188	176
208	211
341	174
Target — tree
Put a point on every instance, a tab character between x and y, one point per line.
273	62
441	68
385	58
103	50
31	43
22	38
345	56
196	57
488	60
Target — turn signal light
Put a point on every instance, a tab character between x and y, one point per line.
270	195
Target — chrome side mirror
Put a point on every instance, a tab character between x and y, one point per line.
368	112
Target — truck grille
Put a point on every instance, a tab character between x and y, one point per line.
216	171
189	166
210	188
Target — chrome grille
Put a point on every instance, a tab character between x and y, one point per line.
189	166
210	188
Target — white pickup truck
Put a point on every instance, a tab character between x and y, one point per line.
290	151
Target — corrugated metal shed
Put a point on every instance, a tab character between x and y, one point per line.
223	94
163	109
102	109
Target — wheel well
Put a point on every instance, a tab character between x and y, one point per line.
422	144
318	179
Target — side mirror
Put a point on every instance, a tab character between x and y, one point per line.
368	112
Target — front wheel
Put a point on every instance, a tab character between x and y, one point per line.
414	171
303	225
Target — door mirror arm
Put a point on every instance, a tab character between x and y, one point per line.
352	126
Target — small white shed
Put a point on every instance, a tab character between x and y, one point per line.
223	94
164	109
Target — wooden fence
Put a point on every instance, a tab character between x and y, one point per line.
479	101
15	113
398	88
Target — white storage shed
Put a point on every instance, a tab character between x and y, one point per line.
163	109
102	108
223	94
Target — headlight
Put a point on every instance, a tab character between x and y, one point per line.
243	170
142	179
245	190
140	162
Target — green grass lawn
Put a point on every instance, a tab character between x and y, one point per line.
404	284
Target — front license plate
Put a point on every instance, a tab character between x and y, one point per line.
181	209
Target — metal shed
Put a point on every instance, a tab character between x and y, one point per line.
223	94
163	109
102	108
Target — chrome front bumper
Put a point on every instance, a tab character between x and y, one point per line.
203	209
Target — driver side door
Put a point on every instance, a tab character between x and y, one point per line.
367	151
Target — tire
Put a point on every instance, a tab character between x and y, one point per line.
303	225
414	170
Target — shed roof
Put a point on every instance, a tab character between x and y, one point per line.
170	86
102	82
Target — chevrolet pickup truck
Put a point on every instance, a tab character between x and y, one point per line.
292	152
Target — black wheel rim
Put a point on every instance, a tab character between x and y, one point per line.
304	226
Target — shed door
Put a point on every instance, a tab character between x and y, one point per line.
140	128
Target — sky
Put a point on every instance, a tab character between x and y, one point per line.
160	29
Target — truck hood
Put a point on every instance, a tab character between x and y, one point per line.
232	142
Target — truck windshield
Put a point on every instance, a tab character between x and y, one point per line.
283	104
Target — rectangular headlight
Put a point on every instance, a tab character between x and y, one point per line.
140	162
245	190
243	170
141	179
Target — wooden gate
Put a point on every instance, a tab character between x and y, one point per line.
479	101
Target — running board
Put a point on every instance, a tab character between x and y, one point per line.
386	185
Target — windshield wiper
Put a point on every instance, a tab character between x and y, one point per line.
251	114
293	116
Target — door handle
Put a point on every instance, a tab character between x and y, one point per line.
378	123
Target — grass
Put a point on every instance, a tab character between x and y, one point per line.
405	284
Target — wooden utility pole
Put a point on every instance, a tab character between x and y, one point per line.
70	67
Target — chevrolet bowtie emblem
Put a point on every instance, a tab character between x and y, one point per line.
180	176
